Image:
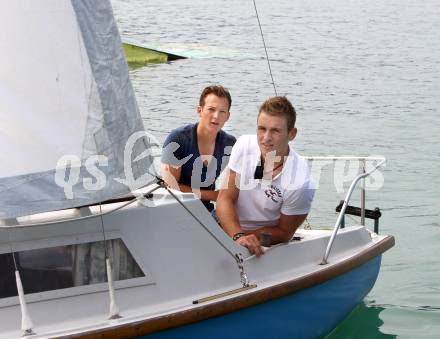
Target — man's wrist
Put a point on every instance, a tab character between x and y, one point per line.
238	235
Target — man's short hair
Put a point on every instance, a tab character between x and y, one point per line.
217	90
280	106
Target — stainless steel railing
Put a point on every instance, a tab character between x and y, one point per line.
362	177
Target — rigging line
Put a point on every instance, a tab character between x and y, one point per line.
26	321
265	49
103	231
200	222
12	250
114	309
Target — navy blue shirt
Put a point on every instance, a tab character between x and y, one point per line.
181	149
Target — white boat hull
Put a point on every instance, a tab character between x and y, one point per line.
183	263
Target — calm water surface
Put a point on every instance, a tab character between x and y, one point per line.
365	79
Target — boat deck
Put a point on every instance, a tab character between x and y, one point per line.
172	253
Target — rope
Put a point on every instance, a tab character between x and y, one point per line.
200	222
12	251
26	321
265	49
237	257
114	309
103	231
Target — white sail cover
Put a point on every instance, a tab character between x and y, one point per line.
67	107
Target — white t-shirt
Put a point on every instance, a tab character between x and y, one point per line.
261	201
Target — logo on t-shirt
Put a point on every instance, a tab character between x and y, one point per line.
273	193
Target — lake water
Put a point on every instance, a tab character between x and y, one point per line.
364	77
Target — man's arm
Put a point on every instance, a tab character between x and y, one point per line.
171	175
228	216
225	208
284	231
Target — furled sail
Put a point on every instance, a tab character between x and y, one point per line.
70	129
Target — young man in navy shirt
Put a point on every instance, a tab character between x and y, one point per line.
194	155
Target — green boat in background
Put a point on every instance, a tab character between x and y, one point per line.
138	56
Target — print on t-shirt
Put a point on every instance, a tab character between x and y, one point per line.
274	193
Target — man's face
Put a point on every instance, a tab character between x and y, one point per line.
214	113
272	134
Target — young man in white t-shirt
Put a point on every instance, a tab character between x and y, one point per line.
268	191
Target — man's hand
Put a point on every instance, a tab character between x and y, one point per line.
252	243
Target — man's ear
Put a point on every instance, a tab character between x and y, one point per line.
199	110
292	133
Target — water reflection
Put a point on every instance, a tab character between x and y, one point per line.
362	323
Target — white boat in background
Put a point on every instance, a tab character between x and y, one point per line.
81	256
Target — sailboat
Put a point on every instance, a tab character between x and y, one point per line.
93	244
